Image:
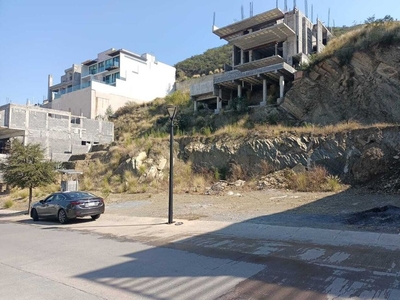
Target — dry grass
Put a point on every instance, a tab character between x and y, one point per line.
8	203
315	180
364	38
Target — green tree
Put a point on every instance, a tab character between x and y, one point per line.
26	167
109	112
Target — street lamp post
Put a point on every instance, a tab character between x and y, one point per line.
172	113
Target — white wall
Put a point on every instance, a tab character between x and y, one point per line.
77	102
104	95
145	81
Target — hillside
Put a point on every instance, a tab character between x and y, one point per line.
356	79
213	60
325	133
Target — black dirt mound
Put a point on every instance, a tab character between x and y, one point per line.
388	215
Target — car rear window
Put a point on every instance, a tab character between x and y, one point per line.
79	195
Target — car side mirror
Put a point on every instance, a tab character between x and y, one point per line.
41	201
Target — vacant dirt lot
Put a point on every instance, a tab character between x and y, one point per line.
348	209
345	210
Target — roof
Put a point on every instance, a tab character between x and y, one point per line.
271	15
89	62
116	52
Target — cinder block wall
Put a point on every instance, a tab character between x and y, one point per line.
54	131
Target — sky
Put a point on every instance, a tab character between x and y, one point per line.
42	37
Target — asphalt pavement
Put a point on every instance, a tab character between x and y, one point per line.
277	261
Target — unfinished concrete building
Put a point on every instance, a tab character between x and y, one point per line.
58	132
266	50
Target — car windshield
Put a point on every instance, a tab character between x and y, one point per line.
79	195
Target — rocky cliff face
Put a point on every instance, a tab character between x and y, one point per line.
367	90
357	156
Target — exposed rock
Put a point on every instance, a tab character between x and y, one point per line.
216	188
299	168
344	154
239	183
367	90
371	163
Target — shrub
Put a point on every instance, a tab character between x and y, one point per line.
206	131
333	184
23	194
236	172
345	55
313	180
200	122
9	203
239	104
87	183
178	98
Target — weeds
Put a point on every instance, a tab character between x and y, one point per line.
364	38
8	203
315	180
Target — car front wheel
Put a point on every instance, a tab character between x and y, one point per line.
34	215
62	217
95	217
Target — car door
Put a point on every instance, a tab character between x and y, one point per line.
53	205
43	209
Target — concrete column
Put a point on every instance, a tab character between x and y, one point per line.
194	105
276	48
282	86
219	102
239	90
241	56
233	56
49	84
265	93
250	51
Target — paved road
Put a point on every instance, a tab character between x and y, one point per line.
141	258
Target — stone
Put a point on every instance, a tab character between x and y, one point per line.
299	168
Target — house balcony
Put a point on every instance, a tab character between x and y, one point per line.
111	65
260	63
255	76
85	85
88	73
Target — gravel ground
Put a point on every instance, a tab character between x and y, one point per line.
345	210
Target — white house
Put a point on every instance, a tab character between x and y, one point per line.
112	79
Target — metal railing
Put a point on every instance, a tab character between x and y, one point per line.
84	85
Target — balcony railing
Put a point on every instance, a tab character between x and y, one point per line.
111	65
85	85
72	89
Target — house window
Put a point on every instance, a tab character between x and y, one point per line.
109	63
116	61
75	120
107	79
93	69
114	77
101	66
